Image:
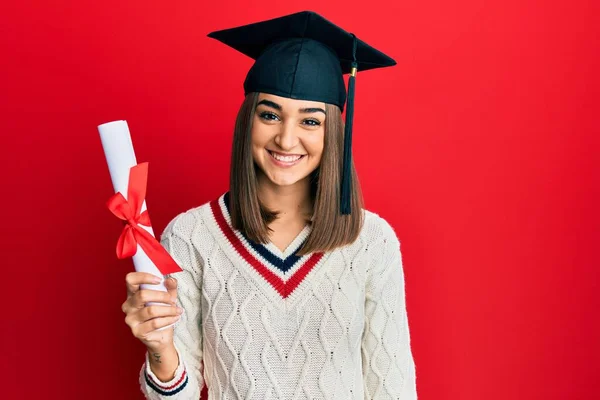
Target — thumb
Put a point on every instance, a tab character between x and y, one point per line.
171	285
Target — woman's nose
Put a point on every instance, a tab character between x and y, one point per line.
286	138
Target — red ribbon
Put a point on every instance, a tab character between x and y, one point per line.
129	211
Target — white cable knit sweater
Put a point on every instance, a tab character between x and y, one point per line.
260	323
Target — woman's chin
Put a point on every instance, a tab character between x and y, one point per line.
286	180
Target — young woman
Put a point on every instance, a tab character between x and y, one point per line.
289	288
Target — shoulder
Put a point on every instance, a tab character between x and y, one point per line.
188	222
383	245
376	229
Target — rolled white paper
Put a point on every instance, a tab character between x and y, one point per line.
118	149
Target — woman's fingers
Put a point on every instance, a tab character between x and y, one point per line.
143	316
141	297
133	280
151	312
146	329
171	285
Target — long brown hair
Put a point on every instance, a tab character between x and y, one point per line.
330	229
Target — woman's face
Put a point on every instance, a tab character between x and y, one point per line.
287	137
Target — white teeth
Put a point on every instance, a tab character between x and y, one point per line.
285	158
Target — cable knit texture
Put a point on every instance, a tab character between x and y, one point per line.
261	323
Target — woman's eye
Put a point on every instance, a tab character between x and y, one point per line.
269	116
312	122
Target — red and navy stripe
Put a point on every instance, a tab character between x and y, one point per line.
167	390
284	288
284	265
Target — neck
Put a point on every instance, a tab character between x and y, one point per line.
291	201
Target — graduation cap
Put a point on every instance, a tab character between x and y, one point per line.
304	56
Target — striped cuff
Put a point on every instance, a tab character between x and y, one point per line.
170	388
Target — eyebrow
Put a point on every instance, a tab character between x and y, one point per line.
276	106
312	110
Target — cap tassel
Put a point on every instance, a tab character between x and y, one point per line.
346	193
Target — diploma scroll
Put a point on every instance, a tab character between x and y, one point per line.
120	157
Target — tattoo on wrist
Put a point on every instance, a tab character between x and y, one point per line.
157	357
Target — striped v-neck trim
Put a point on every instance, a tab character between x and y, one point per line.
284	270
282	260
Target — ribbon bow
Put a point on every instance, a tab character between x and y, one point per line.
133	234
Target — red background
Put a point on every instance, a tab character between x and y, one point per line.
480	148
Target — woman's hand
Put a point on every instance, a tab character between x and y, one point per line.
143	320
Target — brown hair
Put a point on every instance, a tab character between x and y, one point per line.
330	229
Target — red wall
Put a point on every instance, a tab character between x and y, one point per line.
480	148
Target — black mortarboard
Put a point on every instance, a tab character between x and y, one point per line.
304	56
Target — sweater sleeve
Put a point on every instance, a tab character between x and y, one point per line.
188	380
388	364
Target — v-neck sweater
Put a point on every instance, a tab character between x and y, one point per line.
261	323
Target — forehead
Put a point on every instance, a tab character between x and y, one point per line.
290	104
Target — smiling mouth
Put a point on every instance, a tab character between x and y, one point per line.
287	159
